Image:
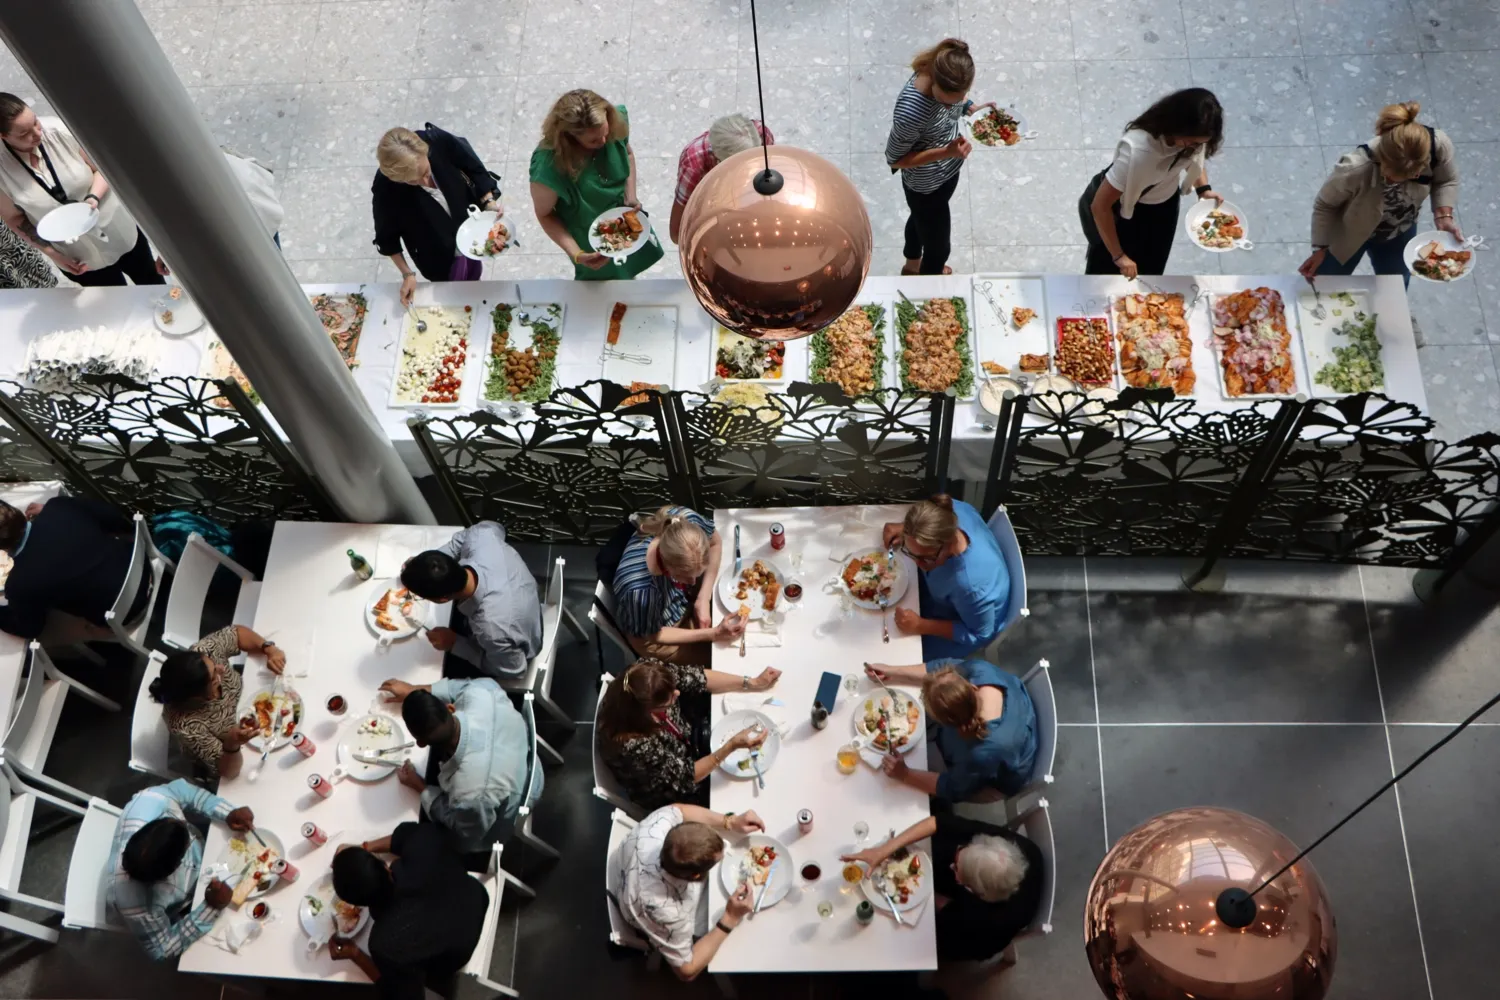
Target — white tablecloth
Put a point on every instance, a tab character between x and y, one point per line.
790	936
313	606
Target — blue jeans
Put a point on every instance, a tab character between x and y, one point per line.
1386	256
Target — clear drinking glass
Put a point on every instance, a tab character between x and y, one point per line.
861	831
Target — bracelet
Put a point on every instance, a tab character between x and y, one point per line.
726	820
1202	188
1116	258
744	682
93	196
723	927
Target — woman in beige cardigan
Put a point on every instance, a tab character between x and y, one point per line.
1369	204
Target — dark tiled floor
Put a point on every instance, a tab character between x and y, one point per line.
1265	698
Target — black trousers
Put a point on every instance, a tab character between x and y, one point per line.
1146	237
929	227
138	265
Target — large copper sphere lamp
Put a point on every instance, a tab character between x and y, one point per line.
775	241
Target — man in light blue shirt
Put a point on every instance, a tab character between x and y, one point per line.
481	745
157	855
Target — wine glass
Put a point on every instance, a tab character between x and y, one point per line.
861	832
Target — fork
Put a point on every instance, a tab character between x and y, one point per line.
885	631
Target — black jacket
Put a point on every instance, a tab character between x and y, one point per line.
968	928
404	213
74	560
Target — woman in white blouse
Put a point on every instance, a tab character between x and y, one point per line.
43	166
1129	210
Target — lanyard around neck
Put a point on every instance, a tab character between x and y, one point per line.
56	190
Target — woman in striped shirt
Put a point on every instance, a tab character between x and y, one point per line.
925	146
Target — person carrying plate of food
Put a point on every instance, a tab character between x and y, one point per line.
963	579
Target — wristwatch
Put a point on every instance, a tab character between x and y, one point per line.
723	926
1202	188
745	682
267	645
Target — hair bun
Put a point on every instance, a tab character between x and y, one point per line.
956	43
943	500
155	689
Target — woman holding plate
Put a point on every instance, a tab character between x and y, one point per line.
964	581
582	168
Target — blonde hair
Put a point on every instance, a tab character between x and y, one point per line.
952	701
733	134
931	523
1405	147
575	112
949	65
991	867
680	543
400	154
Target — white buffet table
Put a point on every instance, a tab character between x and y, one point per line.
791	936
312	605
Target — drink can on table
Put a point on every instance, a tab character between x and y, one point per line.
778	536
315	833
804	820
285	870
318	784
336	704
303	745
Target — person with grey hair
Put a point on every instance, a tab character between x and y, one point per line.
725	137
987	882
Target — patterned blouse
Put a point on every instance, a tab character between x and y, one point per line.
198	730
657	770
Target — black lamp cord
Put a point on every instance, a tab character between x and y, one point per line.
759	93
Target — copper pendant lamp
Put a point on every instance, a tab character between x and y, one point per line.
775	242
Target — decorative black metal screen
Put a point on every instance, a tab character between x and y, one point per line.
21	460
167	445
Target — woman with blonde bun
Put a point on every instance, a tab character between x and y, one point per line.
1369	204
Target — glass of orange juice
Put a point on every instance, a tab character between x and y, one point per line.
848	758
853	872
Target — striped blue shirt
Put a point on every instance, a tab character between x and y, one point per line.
921	123
646	604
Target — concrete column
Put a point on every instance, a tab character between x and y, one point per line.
102	69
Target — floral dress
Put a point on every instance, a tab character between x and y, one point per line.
198	730
657	770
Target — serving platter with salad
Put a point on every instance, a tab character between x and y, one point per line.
738	358
1340	343
516	373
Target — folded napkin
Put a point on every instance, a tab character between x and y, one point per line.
236	935
759	638
395	547
755	701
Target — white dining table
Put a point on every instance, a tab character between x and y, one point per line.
818	634
313	606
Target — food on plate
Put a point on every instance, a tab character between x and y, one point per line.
771	592
1356	366
343	316
901	877
743	611
755	864
1438	264
746	398
616	317
1155	350
758	576
217	364
935	346
1085	351
1035	362
996	127
346	915
497	239
743	358
276	713
375	725
638	393
252	862
1219	229
431	367
890	726
870	577
619	233
395	601
166	317
850	351
1020	316
522	375
994	368
1255	346
175	293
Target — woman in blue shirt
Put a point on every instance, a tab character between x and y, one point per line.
983	723
965	584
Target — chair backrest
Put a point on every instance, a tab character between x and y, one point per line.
1038	681
1010	551
1035	822
540	668
139	556
620	932
28	705
86	900
183	622
533	757
606	785
602	614
478	964
150	738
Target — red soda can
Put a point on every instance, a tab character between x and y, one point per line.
804	820
317	784
778	536
303	745
315	833
285	870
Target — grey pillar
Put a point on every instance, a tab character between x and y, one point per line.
104	72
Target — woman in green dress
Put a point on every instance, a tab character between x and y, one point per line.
583	167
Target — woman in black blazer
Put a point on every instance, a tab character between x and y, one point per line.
426	183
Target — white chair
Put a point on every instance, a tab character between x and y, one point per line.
602	614
533	775
1038	681
17	805
495	877
538	676
28	739
620	932
147	567
606	785
183	623
1035	822
150	740
86	900
1010	551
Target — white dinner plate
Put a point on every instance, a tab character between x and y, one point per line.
237	857
319	926
1195	216
905	571
186	316
735	722
361	737
66	223
420	610
729	579
1446	241
782	876
902	698
281	737
922	893
968	129
611	215
475	230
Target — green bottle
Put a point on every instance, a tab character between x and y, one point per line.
362	567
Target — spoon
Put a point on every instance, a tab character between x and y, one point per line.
421	323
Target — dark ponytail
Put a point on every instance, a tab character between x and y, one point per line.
1193	111
11	107
184	676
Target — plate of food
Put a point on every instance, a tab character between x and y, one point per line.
175	313
368	735
1217	228
620	232
640	345
1254	344
277	713
743	359
870	578
761	860
513	373
1339	343
738	764
249	863
1010	325
431	362
483	235
997	127
754	590
322	915
751	399
850	351
343	316
889	719
393	612
905	876
932	346
1155	349
219	365
1439	256
1085	350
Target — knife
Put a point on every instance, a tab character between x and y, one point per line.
760	779
770	874
365	758
738	562
257	837
881	885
